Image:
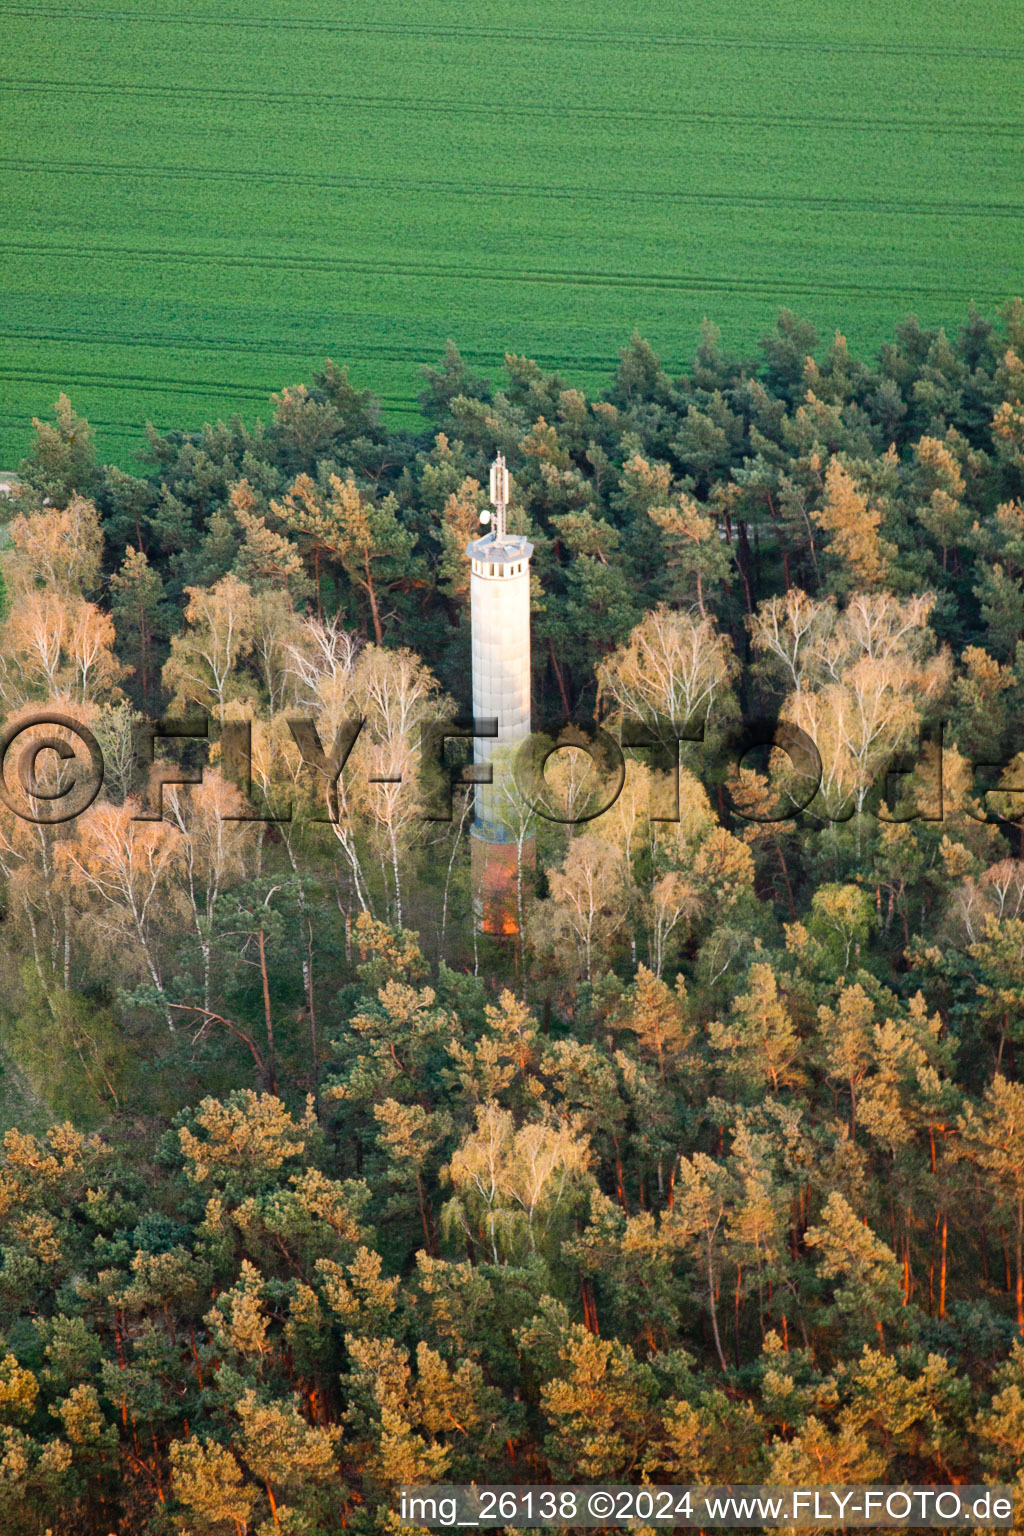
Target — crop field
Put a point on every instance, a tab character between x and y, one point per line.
204	199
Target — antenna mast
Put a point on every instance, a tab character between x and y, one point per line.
499	496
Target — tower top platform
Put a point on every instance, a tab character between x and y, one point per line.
492	550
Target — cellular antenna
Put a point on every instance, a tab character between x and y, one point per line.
499	496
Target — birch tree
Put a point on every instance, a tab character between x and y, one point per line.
673	670
219	634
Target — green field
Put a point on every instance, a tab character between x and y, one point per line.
203	199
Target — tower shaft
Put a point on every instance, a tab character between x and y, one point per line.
501	669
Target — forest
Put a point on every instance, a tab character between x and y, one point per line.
712	1171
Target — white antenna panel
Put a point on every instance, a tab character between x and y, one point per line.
499	482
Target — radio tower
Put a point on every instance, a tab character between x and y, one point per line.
499	587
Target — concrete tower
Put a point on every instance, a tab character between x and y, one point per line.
499	587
